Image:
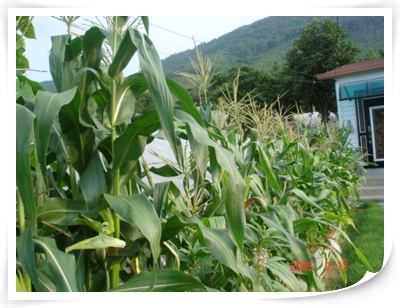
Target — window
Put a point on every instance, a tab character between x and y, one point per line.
367	88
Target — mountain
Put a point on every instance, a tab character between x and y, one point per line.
266	41
49	85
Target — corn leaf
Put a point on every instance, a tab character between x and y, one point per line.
132	87
138	210
161	96
99	241
80	138
47	107
93	182
60	211
24	121
123	56
58	267
166	281
235	194
130	146
26	252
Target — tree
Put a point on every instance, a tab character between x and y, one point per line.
24	86
264	86
373	54
321	46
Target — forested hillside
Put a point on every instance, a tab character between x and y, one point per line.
266	42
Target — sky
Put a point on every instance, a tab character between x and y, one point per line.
170	34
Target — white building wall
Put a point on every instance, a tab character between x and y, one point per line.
347	114
348	118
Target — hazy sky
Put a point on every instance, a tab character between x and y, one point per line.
170	34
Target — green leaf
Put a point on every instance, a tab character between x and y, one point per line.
92	55
93	182
135	85
80	139
220	243
285	275
138	210
152	69
303	224
171	228
146	23
123	56
84	80
130	146
58	145
270	174
166	281
47	107
301	194
297	246
56	61
99	241
92	47
33	85
22	62
235	194
77	77
340	218
45	284
58	267
121	21
165	171
24	121
200	152
28	30
235	207
160	196
26	252
94	225
80	270
287	215
217	222
60	211
185	99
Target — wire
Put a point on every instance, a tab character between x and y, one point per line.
185	36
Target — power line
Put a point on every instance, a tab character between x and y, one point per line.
185	36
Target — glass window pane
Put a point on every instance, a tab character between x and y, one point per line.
352	90
375	87
369	88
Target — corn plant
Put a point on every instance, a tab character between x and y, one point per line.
306	179
86	220
91	218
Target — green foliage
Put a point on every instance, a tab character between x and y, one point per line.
25	87
253	198
321	46
264	87
266	41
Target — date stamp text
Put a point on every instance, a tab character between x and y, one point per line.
309	266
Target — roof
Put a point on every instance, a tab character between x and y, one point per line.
353	68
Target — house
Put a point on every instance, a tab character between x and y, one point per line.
360	102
